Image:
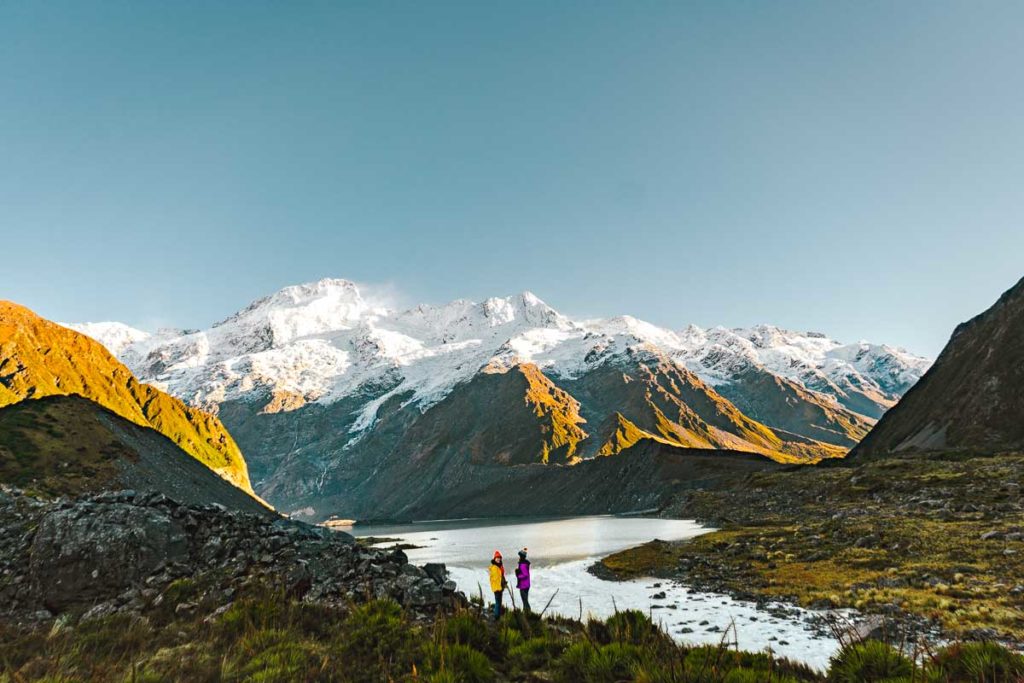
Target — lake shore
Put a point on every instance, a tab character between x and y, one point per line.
562	549
934	545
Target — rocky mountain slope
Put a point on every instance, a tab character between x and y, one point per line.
39	358
972	399
330	394
69	445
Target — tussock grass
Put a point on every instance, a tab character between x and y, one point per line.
264	637
912	533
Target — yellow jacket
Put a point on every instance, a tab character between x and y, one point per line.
497	578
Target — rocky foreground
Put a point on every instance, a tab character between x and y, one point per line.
130	552
131	586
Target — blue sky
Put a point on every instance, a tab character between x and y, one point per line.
849	167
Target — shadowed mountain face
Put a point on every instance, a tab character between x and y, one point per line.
511	425
972	399
69	445
645	476
39	358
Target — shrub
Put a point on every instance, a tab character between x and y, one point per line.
534	653
376	641
441	677
250	613
598	632
871	661
458	662
985	662
756	676
604	664
273	656
195	662
509	638
716	663
114	638
633	626
466	628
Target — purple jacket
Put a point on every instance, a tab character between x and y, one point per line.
523	575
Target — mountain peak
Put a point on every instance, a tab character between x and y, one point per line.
319	293
641	330
324	340
117	337
525	307
297	311
530	299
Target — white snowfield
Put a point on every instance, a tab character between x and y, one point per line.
323	342
116	337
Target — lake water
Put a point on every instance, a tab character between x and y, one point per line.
560	551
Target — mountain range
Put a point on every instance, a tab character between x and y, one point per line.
347	408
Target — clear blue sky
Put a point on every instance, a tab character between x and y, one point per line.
849	167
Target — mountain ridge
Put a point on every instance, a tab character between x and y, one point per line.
971	399
301	318
323	388
39	358
68	445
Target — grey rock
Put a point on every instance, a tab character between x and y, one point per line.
115	552
79	559
437	571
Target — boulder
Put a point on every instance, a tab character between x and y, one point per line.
437	571
81	556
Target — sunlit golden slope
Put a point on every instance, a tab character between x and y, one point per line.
651	397
39	358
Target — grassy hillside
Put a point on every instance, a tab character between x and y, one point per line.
39	358
940	538
269	638
68	445
53	447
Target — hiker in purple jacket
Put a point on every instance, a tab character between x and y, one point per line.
523	579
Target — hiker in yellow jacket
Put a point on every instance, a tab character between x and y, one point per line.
497	574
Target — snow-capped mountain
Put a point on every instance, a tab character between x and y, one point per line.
117	337
322	341
866	378
324	389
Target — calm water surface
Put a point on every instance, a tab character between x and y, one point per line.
471	543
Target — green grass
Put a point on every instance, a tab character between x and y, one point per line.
905	532
44	449
266	638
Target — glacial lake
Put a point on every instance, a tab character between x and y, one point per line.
560	551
